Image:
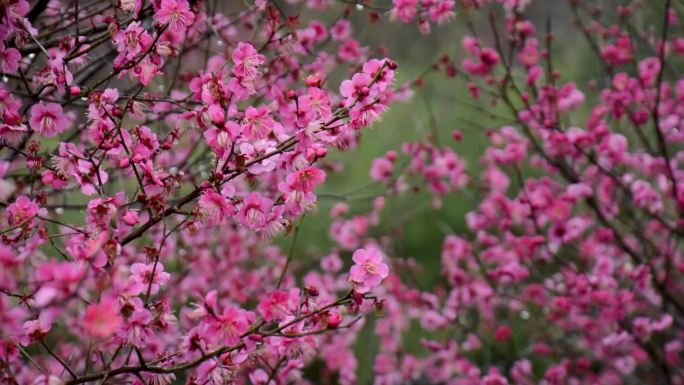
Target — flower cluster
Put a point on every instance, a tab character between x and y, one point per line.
151	152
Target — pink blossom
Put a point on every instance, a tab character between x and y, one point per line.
529	55
231	324
279	304
58	280
222	139
304	180
649	69
130	43
254	211
12	134
258	123
341	30
48	119
368	270
102	210
442	11
103	319
404	10
351	51
37	329
145	71
137	331
130	217
215	206
381	169
493	377
22	211
175	13
317	103
148	278
619	52
356	88
9	59
212	372
246	60
132	6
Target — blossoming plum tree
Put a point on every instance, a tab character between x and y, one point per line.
152	150
176	132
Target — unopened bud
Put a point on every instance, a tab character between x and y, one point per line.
334	320
130	217
312	291
313	80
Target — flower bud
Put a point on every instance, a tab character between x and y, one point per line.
130	217
312	291
334	320
313	80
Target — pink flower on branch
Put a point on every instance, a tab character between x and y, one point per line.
246	60
48	119
148	277
175	13
255	211
9	59
368	270
103	319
